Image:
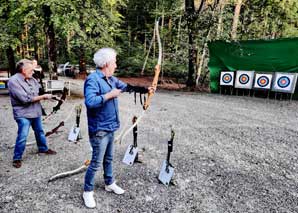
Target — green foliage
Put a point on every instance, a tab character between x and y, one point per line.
10	24
131	62
269	19
127	25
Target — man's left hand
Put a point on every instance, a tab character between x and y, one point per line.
151	90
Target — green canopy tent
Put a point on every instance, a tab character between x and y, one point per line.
280	55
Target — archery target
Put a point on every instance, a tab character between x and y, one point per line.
244	79
226	78
263	81
284	82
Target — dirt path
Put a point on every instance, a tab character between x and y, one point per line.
231	154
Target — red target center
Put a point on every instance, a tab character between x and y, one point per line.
262	81
283	81
243	78
227	78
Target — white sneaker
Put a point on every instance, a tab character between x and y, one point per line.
114	188
89	200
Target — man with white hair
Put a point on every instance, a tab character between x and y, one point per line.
101	90
25	101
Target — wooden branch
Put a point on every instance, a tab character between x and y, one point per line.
70	173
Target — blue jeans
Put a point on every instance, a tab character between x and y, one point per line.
23	130
102	152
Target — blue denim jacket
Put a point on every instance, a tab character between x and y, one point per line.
101	114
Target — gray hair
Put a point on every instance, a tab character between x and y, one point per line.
104	56
22	64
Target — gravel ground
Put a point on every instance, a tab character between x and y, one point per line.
231	154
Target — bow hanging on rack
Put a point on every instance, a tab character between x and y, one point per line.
153	85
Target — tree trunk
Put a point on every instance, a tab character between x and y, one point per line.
200	66
129	40
35	43
202	60
67	46
82	60
35	49
22	46
11	61
27	41
236	19
178	37
190	15
170	29
222	4
199	4
51	42
145	42
148	52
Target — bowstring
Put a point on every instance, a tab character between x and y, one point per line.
123	133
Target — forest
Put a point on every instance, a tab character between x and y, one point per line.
57	31
235	151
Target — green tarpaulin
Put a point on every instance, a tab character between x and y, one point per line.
257	55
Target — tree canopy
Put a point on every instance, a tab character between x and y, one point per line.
57	31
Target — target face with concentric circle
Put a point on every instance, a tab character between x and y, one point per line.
243	79
283	82
263	81
227	78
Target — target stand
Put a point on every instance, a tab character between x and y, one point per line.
131	155
167	170
284	84
263	82
226	82
75	133
244	81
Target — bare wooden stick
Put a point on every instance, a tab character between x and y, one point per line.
70	173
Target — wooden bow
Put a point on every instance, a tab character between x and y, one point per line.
153	85
156	70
